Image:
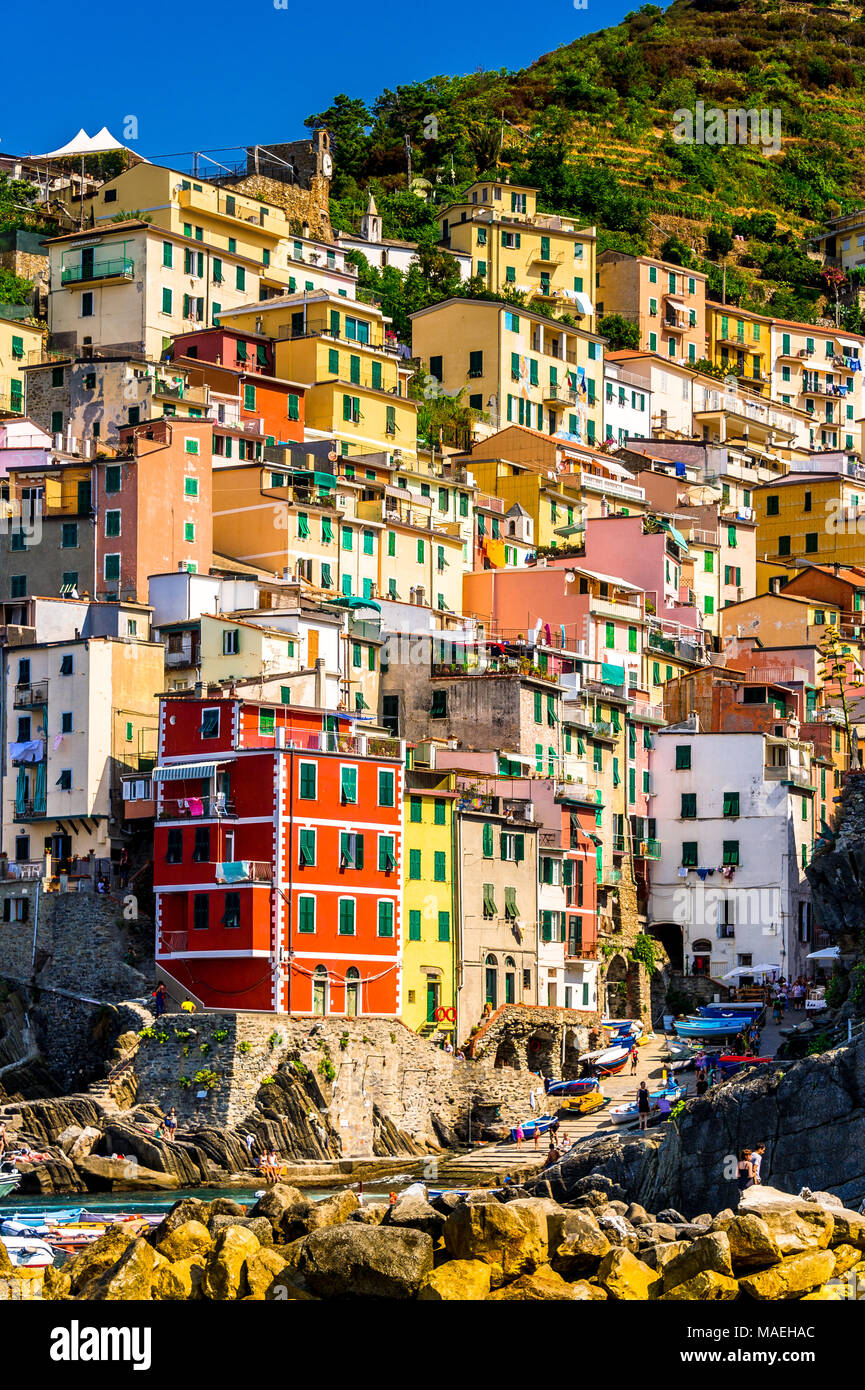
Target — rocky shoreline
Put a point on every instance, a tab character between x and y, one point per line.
496	1247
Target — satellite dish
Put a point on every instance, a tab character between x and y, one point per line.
570	577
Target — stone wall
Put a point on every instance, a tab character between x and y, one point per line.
310	205
535	1038
378	1064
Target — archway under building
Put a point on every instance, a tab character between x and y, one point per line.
540	1052
507	1055
622	988
671	937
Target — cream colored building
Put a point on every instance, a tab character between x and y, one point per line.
512	246
79	715
667	302
518	366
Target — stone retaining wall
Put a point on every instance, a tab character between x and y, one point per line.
377	1062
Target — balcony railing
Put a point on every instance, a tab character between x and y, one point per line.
184	657
245	871
171	942
99	270
33	693
649	849
30	810
177	808
21	868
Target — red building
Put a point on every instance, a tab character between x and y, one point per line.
278	858
238	367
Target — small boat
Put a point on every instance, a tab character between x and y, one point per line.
10	1179
623	1026
529	1127
706	1028
745	1016
729	1065
624	1114
26	1252
612	1061
574	1088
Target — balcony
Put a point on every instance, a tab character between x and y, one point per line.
602	728
812	386
244	871
321	328
559	395
99	272
795	776
214	807
26	696
31	810
648	849
172	942
625	612
611	487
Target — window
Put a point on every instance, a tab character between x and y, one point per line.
200	911
240	277
689	806
69	535
308	782
64	781
348	785
67	664
811	542
385	917
414	863
306	848
440	866
385	788
683	757
488	842
513	847
439	707
350	850
346	917
689	854
439	813
87	304
210	723
174	847
444	926
201	846
731	852
731	804
306	914
386	855
772	506
414	924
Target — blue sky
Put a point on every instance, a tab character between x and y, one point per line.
201	76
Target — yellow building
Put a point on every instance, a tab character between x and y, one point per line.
514	247
819	517
518	366
20	346
555	508
820	371
843	241
430	928
740	342
779	620
358	389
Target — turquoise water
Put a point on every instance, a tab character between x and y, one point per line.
149	1201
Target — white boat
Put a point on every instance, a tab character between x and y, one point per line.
624	1114
10	1179
28	1252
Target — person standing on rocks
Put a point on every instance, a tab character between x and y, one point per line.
644	1105
171	1123
757	1161
745	1174
160	995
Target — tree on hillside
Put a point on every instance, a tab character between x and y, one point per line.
621	332
14	289
346	120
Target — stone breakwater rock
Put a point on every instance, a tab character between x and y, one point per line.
525	1250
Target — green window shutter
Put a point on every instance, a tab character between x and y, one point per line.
326	580
385	788
440	866
488	841
416	810
368	542
346	917
240	277
414	863
308	781
683	757
632	639
689	806
385	918
439	813
444	926
731	803
689	854
348	785
376	376
610	635
307	847
414	924
420	552
347	538
391	543
333	361
306	914
248	397
731	852
293	406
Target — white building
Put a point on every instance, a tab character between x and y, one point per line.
382	251
627	404
735	817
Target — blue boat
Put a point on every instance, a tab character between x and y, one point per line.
574	1088
706	1028
528	1127
747	1014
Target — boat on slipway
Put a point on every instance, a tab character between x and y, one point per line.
10	1179
624	1114
608	1061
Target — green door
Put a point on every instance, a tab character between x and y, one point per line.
432	999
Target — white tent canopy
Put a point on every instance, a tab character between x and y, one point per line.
83	144
828	953
750	970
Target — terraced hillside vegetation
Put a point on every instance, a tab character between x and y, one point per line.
591	125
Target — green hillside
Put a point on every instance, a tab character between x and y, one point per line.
591	126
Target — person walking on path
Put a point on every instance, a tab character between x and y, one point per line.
160	995
537	1134
644	1105
634	1058
757	1162
518	1135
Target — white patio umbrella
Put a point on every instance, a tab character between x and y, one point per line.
828	953
741	970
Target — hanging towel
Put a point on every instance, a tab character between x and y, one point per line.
683	873
58	739
196	806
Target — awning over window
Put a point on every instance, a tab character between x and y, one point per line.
178	772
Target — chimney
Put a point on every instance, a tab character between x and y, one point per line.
319	696
198	690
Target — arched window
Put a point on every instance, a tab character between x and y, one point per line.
510	980
320	991
491	982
